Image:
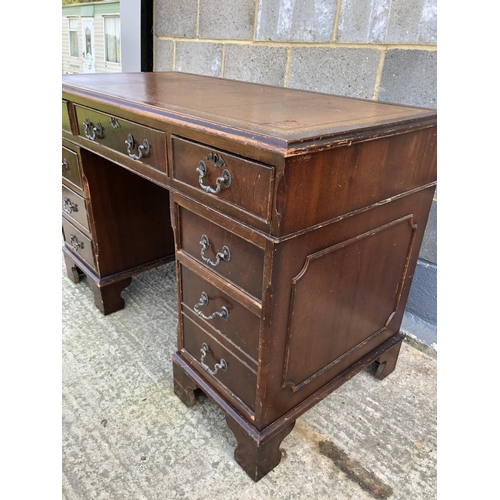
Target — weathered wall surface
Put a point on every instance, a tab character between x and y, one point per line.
383	50
374	49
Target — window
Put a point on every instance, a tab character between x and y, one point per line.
73	37
112	45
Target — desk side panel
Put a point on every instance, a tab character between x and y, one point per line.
339	292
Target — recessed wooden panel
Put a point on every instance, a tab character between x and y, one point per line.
357	284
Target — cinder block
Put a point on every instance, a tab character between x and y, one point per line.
253	63
227	19
412	21
388	21
176	18
409	77
428	250
296	20
164	52
363	21
348	72
201	58
422	300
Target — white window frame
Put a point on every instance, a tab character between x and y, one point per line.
104	17
70	30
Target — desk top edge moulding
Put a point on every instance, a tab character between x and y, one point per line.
294	218
276	117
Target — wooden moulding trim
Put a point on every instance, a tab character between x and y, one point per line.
297	386
349	137
319	225
107	280
260	437
259	238
334	384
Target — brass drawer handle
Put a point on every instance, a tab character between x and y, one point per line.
68	206
221	365
96	131
74	243
65	165
143	149
224	180
223	313
224	255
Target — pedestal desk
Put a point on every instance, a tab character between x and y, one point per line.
295	220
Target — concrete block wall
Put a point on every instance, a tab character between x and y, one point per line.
373	49
383	50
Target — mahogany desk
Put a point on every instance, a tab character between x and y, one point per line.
295	220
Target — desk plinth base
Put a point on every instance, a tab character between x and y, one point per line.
107	291
258	452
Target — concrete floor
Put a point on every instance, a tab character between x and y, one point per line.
127	436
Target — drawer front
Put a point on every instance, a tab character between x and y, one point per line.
228	178
237	377
78	242
141	144
220	311
222	252
66	126
73	206
71	167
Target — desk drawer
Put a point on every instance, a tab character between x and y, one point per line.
73	206
238	377
221	251
142	144
246	184
71	167
77	242
220	311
